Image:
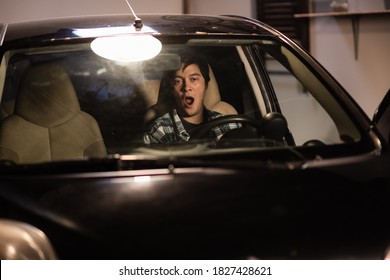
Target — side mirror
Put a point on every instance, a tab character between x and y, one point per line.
382	117
21	241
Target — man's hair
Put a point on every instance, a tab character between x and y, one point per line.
191	57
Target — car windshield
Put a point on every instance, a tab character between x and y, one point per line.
65	102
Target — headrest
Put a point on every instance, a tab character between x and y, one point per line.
212	96
46	96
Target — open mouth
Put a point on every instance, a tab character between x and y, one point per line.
188	100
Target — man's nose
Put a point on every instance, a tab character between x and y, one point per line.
184	86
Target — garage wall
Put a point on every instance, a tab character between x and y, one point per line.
366	78
223	7
20	10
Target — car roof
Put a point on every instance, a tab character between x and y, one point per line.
171	24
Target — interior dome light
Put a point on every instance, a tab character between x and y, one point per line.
127	48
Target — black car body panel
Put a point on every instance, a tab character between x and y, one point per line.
223	214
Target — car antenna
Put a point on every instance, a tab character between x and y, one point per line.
137	21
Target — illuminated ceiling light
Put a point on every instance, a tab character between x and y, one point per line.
112	31
127	48
130	46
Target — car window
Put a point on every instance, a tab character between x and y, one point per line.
253	79
311	109
307	118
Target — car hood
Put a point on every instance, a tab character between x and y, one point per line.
207	213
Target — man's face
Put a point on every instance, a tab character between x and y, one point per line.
190	87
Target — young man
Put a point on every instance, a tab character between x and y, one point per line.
186	89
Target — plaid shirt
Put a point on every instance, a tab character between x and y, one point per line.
170	129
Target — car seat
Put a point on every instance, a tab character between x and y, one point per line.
47	123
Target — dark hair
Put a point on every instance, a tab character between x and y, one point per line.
191	57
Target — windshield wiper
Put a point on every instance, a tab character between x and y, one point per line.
160	157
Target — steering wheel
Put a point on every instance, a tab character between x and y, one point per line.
272	126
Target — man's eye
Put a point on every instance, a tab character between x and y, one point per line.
178	82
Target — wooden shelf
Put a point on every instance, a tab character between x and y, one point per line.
355	19
342	14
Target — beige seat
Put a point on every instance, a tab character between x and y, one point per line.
47	123
212	100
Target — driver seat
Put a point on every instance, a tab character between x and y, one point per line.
47	123
212	101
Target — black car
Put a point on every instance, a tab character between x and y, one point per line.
302	174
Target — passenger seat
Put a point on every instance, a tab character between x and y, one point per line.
47	123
